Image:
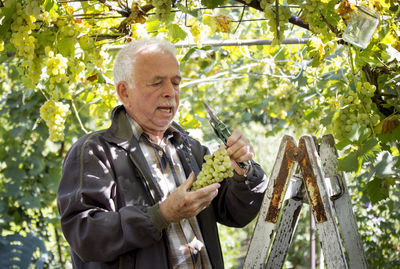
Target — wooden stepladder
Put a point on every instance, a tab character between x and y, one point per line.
327	193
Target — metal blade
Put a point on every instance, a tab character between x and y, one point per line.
210	112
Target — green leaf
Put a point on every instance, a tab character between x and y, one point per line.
343	143
378	189
184	9
66	46
212	3
49	5
176	33
187	55
350	163
368	146
5	22
385	165
358	134
30	202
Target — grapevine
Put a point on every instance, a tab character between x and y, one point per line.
217	167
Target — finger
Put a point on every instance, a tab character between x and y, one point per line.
235	136
206	192
240	147
245	153
207	201
189	181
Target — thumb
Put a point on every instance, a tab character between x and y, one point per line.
189	181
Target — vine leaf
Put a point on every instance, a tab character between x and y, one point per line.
176	33
378	189
385	165
350	163
212	3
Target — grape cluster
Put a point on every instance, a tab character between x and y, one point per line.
162	9
54	114
284	97
23	39
56	67
357	109
313	16
217	167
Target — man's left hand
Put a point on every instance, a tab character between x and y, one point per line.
239	149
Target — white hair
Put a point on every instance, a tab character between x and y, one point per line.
126	57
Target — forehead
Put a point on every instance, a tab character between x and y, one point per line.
156	58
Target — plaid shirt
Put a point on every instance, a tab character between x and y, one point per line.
187	249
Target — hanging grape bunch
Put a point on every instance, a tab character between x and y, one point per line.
217	167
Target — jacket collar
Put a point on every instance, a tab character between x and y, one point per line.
121	132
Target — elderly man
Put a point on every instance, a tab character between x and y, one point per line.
124	196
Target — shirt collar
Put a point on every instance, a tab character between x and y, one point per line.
138	130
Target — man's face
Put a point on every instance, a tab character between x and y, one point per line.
154	98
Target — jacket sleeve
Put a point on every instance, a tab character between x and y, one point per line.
239	198
95	229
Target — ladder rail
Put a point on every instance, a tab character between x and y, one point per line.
342	204
264	230
321	205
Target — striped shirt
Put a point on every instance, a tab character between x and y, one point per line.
187	249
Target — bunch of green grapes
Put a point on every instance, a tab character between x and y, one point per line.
217	167
284	97
23	39
357	109
162	8
56	67
314	18
54	114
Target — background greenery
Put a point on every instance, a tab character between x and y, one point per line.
56	85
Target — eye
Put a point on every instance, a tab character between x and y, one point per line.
156	83
176	82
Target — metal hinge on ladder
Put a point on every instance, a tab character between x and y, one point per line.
326	194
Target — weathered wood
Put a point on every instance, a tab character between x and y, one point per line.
342	204
264	230
284	234
321	205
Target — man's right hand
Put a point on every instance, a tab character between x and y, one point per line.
182	203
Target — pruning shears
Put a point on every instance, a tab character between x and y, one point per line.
222	131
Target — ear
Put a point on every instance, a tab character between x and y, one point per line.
122	91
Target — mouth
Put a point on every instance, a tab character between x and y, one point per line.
166	109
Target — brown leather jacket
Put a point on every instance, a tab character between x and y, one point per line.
108	201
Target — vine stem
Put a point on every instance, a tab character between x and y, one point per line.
44	94
78	117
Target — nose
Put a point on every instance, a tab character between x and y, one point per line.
169	90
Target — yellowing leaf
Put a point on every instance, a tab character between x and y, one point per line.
176	33
223	23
